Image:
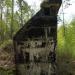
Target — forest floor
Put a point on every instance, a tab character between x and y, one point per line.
7	57
7	66
65	65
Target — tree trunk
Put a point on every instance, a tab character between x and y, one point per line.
12	19
1	8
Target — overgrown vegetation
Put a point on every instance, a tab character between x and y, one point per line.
13	15
66	41
6	71
66	49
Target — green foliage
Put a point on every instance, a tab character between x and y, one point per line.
8	3
66	49
67	42
11	22
5	43
6	71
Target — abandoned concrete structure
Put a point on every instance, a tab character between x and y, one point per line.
35	42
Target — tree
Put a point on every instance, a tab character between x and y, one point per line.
1	19
8	7
12	19
66	49
24	12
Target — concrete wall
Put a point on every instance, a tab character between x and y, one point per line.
37	57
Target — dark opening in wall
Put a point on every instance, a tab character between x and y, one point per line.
28	46
20	57
27	56
52	57
46	11
43	44
28	67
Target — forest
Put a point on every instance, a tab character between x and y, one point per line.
13	15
